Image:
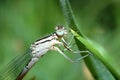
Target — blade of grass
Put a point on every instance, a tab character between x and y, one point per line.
68	15
97	68
102	70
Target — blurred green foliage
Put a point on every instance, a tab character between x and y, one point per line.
24	21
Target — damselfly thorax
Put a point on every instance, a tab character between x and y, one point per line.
41	46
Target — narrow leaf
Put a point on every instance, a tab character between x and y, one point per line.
97	68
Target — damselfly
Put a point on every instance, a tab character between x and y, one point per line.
15	70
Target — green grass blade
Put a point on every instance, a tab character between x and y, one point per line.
69	15
98	64
102	71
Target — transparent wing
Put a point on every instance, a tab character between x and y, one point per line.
14	67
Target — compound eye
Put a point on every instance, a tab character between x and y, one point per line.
59	28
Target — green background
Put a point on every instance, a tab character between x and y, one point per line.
24	21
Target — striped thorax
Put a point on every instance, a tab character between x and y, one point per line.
41	46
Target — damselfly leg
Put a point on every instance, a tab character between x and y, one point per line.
68	47
64	43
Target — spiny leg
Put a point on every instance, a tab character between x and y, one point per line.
78	52
57	49
69	49
70	41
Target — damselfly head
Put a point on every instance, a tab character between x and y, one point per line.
60	31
